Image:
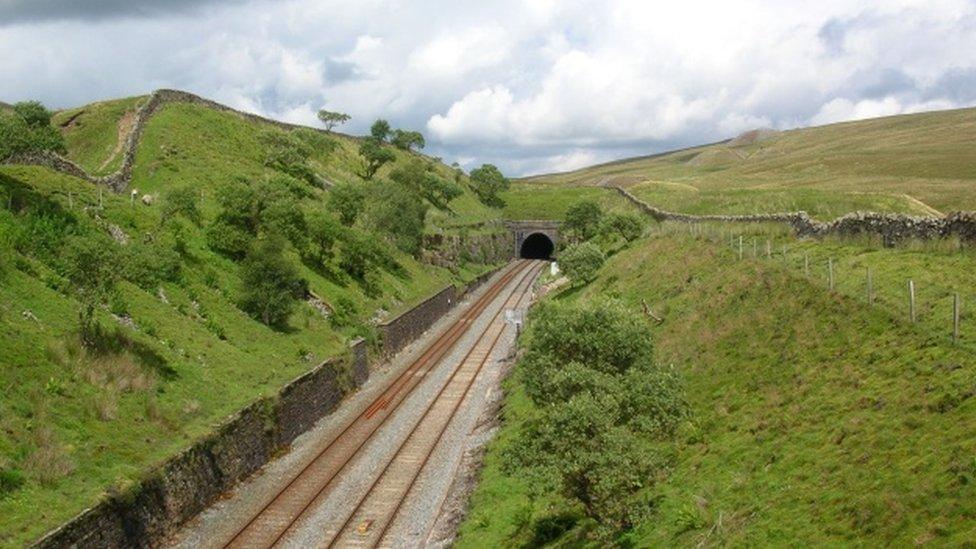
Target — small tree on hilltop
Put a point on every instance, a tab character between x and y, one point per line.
332	119
380	130
488	183
406	140
581	262
91	265
272	283
375	155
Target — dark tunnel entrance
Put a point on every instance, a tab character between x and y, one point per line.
537	246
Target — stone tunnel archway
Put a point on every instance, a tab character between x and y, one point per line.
542	238
537	246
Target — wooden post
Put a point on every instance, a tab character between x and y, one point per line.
769	250
830	272
755	248
740	247
911	300
870	288
956	306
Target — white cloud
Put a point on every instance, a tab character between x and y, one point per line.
529	85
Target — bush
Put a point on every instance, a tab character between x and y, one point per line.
347	201
323	232
228	239
272	283
148	265
181	201
394	211
91	265
27	128
288	153
628	225
583	220
606	415
488	183
375	155
417	176
581	262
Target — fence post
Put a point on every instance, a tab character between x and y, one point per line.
830	273
755	248
955	317
911	300
769	250
870	288
740	247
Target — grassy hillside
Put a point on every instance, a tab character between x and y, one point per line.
92	133
178	353
918	163
531	201
816	419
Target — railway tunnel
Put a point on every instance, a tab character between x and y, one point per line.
534	239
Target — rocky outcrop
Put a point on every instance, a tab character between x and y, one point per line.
892	228
449	250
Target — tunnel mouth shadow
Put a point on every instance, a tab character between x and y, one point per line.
537	246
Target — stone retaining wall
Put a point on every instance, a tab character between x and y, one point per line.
890	227
449	250
186	484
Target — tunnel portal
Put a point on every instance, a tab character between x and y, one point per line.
537	246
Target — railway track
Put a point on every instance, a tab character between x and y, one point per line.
281	514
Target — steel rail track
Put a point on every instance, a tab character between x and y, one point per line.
266	521
412	461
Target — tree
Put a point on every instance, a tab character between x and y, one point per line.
488	182
271	282
347	200
34	113
628	225
375	155
406	140
332	119
583	219
323	231
394	211
287	153
581	262
91	265
417	175
380	130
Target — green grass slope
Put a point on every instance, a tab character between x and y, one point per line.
92	133
75	424
817	420
918	163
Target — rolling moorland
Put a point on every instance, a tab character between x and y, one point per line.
814	412
176	351
809	414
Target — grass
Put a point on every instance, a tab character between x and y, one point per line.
917	163
92	132
525	201
76	424
817	419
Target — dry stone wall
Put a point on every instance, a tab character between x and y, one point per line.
120	180
892	228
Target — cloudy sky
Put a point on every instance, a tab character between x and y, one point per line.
532	86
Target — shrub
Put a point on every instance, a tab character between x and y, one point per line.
347	201
287	153
581	262
91	265
323	232
228	239
394	211
406	140
147	265
628	225
488	183
583	219
27	128
181	201
272	283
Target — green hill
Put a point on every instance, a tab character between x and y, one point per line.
177	352
918	163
